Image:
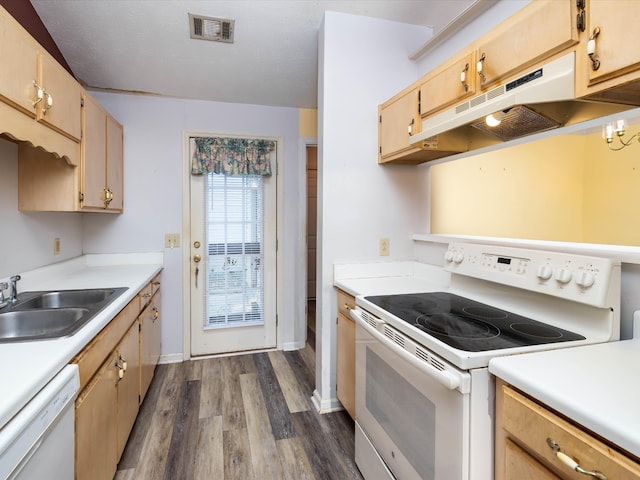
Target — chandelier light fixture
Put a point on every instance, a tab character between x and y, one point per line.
617	130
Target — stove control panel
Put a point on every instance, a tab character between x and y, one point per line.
580	278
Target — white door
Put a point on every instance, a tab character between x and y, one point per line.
233	262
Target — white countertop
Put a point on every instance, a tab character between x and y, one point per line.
28	366
385	278
597	386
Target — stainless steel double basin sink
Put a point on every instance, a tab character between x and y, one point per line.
53	314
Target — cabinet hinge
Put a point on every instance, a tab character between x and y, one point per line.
380	119
139	328
81	102
419	100
581	23
139	399
380	149
81	197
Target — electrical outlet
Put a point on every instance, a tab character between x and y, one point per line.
384	247
56	246
171	240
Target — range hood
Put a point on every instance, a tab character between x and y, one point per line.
540	100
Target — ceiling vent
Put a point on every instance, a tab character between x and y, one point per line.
211	28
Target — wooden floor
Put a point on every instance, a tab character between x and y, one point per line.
242	417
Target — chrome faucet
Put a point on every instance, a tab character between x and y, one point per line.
13	289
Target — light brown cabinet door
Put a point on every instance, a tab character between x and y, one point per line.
149	343
346	353
614	46
398	119
453	84
19	57
542	29
519	465
115	164
96	429
128	386
94	153
64	113
346	364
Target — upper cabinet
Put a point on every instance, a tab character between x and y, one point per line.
399	118
455	82
537	32
607	56
102	159
40	101
70	156
541	31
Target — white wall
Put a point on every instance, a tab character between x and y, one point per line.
26	239
153	145
362	63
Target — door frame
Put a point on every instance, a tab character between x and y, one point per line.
186	233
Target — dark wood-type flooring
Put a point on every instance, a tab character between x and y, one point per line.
240	417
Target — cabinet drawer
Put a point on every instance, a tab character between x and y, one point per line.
530	424
92	356
148	291
346	302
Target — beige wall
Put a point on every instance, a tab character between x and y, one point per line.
308	119
568	188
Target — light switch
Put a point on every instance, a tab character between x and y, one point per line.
171	240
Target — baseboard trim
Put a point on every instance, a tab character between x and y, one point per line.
290	346
326	405
171	358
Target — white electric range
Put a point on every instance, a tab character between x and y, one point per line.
424	396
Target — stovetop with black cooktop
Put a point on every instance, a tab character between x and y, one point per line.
468	325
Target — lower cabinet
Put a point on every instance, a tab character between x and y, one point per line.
128	385
149	343
532	441
96	429
346	354
116	369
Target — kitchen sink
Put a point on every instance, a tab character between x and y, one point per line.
38	324
66	298
53	314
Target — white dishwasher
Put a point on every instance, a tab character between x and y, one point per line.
38	443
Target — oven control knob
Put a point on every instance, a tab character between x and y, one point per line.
458	257
563	275
448	256
544	272
585	279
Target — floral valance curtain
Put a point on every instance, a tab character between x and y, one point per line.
232	156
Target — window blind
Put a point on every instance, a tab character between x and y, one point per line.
234	235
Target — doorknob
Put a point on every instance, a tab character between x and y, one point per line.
197	258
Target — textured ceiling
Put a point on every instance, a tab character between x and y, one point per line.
144	45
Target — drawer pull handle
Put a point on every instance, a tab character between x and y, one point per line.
347	306
146	295
571	463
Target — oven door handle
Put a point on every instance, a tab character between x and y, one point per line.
447	379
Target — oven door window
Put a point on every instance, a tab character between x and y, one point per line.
419	427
